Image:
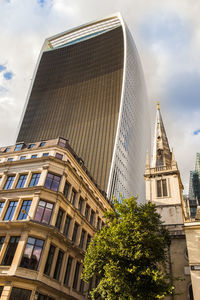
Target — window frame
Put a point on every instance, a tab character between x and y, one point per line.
10	211
21	181
45	211
30	264
28	205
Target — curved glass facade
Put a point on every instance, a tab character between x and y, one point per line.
89	88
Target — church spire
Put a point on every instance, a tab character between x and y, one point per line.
162	155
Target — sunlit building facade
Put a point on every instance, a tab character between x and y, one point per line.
88	87
49	210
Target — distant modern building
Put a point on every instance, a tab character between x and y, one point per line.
49	210
194	187
88	87
164	188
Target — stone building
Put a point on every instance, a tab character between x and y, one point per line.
50	208
164	188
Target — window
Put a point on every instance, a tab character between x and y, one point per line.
88	241
161	188
67	225
76	275
49	261
98	223
9	182
82	285
44	297
24	210
92	217
42	144
68	270
52	182
87	211
18	147
10	210
1	206
59	156
66	189
18	293
59	219
191	292
45	154
34	156
21	181
76	225
7	149
2	238
32	254
10	159
1	290
58	265
44	212
31	146
10	251
22	157
73	197
62	143
80	204
34	180
83	233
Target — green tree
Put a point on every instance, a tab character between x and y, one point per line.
129	255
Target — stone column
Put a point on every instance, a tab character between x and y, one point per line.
28	179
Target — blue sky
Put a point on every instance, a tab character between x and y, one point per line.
167	35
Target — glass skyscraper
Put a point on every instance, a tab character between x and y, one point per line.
88	87
194	187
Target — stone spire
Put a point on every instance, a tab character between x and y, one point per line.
162	155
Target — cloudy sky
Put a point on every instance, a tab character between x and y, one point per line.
167	35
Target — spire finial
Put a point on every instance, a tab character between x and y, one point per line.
158	104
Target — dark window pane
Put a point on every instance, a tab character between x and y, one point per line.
45	154
98	223
21	181
31	146
58	265
88	241
34	156
24	210
87	211
1	206
80	204
18	147
76	274
44	212
49	261
42	144
82	285
52	182
66	189
9	183
92	217
62	143
59	219
10	210
20	294
73	197
2	238
164	186
34	180
159	192
68	270
32	254
10	159
10	251
75	232
67	225
22	157
59	156
7	149
83	233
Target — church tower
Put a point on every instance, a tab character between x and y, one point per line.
164	188
163	181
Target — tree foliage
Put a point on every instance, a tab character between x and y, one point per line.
129	255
